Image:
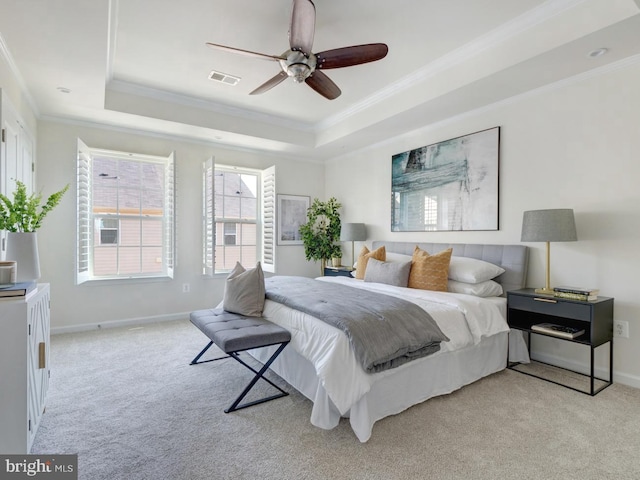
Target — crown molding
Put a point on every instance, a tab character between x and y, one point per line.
79	122
6	54
188	101
502	34
112	42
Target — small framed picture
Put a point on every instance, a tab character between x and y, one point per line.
292	213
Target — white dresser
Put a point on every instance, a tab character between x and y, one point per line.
24	368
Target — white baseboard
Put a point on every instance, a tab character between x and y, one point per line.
602	372
120	323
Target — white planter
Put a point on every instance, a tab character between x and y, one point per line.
23	248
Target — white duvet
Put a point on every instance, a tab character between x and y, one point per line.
464	319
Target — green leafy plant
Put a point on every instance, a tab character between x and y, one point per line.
25	212
321	231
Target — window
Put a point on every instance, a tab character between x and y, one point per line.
430	212
230	234
238	220
125	215
108	228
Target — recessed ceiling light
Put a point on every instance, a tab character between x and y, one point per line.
64	90
598	52
223	78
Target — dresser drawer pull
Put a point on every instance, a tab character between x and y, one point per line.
548	300
42	355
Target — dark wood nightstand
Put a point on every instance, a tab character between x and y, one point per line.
338	271
526	308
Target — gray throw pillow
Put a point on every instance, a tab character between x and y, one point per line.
244	291
391	273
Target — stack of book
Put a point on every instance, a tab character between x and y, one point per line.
576	293
557	330
20	289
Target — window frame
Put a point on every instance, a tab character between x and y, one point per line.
265	219
86	228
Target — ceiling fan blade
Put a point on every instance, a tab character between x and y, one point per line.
244	52
269	84
348	56
323	85
303	26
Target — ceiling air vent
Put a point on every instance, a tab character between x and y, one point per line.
223	78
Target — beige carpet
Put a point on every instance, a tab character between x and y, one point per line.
129	404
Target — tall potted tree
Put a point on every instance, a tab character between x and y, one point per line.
21	217
322	231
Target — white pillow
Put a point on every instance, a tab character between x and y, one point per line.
472	270
398	257
488	288
390	273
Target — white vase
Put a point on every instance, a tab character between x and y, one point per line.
23	248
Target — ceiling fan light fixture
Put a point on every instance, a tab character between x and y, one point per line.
299	72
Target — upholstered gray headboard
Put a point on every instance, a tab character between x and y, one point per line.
513	258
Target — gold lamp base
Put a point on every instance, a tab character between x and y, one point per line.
544	291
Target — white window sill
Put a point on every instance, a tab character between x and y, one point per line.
100	282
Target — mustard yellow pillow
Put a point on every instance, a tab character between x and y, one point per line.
430	272
379	254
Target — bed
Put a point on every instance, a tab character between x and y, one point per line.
320	363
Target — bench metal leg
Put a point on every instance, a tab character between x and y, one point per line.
236	404
202	352
258	375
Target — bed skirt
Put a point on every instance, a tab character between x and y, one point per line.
396	390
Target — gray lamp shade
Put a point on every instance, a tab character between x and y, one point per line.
556	225
353	232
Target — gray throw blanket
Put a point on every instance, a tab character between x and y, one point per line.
384	331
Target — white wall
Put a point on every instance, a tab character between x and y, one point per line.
12	88
572	146
74	306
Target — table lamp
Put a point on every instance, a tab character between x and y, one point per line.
556	225
353	232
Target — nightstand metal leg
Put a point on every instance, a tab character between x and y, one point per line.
611	361
592	367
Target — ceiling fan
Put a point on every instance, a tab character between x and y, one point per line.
300	63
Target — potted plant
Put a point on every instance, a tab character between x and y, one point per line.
21	217
322	231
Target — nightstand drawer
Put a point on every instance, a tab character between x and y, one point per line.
551	306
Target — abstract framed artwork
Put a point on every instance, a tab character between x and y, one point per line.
292	213
448	186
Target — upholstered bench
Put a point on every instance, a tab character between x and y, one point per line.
234	333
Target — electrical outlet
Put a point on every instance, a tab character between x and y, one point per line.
186	288
621	328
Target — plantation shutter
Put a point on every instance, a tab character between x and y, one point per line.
83	226
269	219
169	215
208	220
